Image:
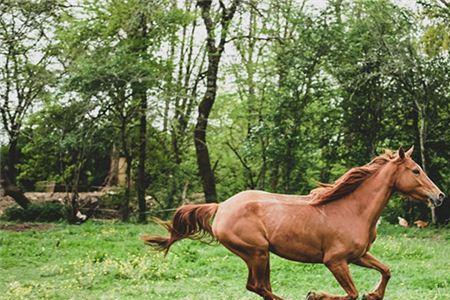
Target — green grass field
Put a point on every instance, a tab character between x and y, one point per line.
106	260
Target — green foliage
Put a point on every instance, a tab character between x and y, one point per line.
394	209
113	198
60	139
108	260
345	84
303	96
436	38
42	212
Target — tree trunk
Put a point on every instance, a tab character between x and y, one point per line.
113	173
74	207
139	90
125	205
12	160
8	177
13	191
274	176
74	200
125	208
142	157
214	53
421	126
201	148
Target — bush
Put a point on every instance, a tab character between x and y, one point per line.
409	210
113	199
43	212
393	210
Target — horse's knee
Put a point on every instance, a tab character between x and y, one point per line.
260	255
387	273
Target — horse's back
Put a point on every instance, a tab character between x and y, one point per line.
265	198
257	203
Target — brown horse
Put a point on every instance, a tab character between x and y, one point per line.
335	224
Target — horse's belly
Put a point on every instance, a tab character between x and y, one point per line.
298	251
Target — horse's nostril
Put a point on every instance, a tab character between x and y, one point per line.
441	196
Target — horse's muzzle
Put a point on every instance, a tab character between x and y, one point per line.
437	201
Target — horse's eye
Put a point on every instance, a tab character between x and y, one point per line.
416	171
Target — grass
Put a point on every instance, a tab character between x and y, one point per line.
106	260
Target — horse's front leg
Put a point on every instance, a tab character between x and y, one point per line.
368	261
341	272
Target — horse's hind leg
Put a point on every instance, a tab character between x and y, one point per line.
259	267
258	271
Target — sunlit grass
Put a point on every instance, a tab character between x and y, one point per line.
106	260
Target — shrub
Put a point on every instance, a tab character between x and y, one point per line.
113	198
42	212
394	209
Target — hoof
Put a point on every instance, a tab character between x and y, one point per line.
311	296
371	296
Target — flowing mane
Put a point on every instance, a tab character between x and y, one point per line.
347	183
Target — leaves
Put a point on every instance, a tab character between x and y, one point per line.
303	93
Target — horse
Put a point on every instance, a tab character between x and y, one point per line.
334	225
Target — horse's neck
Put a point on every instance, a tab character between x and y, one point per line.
369	199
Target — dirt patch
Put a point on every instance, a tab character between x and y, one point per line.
34	197
6	202
89	203
25	227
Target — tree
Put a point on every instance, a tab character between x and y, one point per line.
214	50
301	89
139	89
181	92
252	79
422	76
307	93
26	73
113	62
436	36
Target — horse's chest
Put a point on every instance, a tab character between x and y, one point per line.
353	244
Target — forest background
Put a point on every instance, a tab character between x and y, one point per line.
216	97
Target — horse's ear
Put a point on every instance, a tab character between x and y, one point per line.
410	151
401	153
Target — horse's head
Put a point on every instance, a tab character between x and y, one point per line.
413	182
